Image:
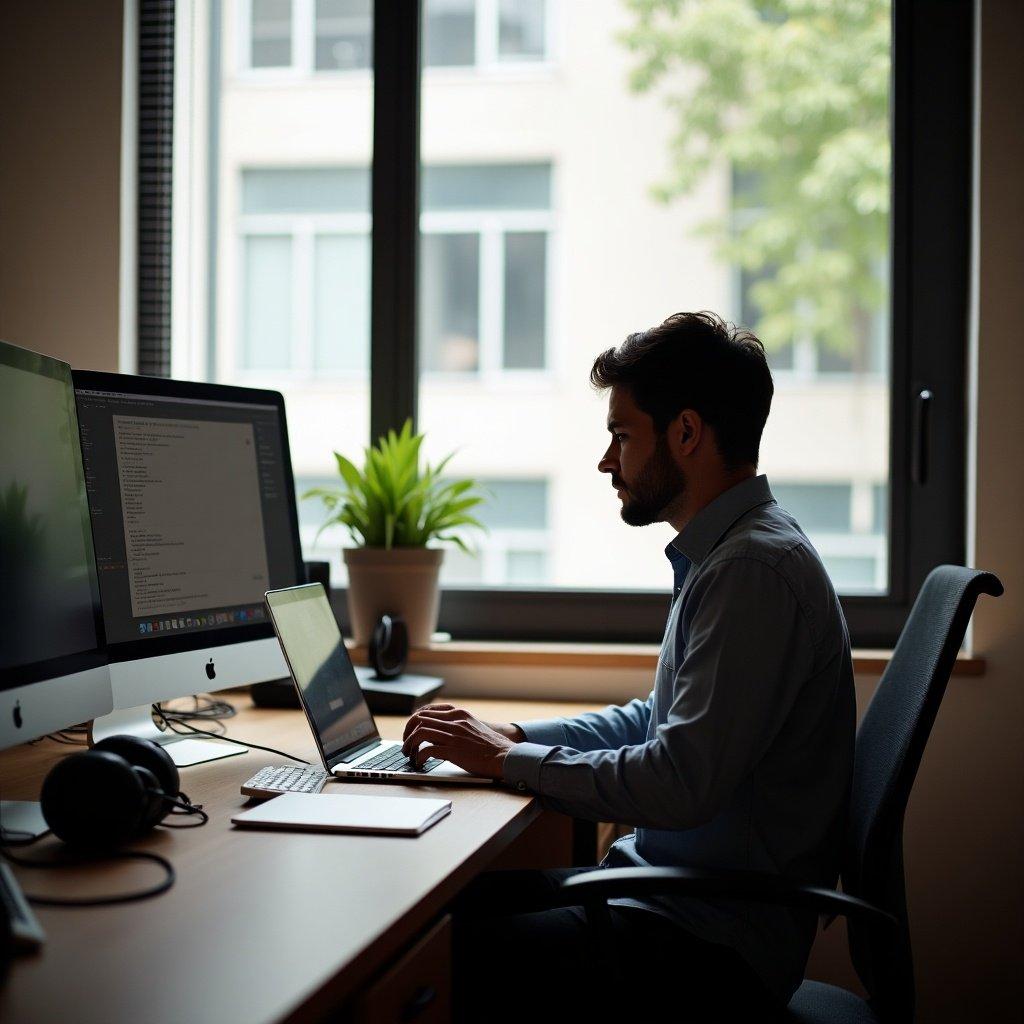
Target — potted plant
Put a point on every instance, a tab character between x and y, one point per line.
393	508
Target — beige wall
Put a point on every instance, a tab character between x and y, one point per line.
60	145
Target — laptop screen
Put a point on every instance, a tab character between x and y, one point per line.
322	669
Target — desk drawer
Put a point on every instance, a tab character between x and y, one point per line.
416	988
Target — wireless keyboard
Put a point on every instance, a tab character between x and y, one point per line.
273	781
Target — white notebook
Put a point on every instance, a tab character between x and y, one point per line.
329	812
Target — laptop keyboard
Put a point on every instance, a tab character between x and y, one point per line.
393	760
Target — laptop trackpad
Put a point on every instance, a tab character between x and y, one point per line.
449	770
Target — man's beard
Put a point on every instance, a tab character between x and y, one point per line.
659	483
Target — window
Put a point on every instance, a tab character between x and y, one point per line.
557	213
271	35
344	35
483	277
484	33
315	36
306	271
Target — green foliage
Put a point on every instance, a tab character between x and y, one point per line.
393	503
794	96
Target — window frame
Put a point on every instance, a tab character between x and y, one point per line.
932	111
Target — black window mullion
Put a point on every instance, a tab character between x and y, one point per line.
395	210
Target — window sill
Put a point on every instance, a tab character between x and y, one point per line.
603	656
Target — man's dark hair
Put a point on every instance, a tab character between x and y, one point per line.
696	361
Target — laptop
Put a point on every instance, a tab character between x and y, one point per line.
343	727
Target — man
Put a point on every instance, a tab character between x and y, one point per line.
740	758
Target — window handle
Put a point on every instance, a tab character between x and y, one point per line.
922	423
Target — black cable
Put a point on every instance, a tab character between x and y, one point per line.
191	729
183	807
205	708
97	901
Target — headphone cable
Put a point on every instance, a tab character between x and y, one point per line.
98	901
182	806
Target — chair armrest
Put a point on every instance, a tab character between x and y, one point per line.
604	884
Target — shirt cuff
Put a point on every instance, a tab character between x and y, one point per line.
548	731
521	768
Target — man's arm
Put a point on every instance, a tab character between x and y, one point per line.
610	728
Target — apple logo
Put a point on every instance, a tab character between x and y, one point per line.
17	714
211	672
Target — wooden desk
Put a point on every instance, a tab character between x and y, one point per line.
261	926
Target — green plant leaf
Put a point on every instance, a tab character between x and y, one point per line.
395	500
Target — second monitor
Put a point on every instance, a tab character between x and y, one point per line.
193	513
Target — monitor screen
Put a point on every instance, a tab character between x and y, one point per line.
49	605
193	509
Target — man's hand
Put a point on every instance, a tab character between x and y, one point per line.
453	734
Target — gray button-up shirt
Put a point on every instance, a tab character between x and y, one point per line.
741	756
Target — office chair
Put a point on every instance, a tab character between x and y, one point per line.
890	741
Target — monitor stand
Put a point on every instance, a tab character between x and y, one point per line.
184	750
21	821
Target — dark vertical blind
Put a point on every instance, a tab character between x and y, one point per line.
155	167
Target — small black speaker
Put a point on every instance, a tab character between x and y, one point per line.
388	649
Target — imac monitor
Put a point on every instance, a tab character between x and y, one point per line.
53	668
193	518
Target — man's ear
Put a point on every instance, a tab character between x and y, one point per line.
687	429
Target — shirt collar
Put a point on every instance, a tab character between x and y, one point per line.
700	535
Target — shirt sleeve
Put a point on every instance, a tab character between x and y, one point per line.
749	651
608	729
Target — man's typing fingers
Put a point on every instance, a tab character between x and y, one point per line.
424	734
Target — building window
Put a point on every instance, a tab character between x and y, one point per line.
804	356
270	34
306	264
305	284
483	268
484	33
337	35
344	35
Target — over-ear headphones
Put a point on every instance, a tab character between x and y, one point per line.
111	794
388	648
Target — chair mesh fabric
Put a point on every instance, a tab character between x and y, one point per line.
817	1003
890	742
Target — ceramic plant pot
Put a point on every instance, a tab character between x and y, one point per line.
394	581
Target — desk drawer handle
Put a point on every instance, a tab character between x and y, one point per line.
421	999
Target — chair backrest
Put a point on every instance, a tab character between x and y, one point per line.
890	741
